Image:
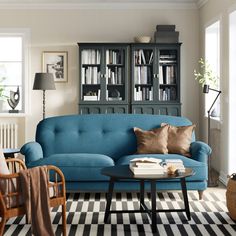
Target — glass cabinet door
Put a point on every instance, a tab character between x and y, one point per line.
91	74
115	64
143	74
168	75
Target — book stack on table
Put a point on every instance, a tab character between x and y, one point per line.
146	166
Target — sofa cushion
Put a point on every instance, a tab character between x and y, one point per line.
78	167
179	139
152	141
199	167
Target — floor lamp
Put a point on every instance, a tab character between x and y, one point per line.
44	81
206	89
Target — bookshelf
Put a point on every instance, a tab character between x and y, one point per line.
129	78
103	78
155	79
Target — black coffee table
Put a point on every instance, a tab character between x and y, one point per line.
123	172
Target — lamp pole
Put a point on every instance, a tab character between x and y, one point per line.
44	104
210	183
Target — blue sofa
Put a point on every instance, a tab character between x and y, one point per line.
81	145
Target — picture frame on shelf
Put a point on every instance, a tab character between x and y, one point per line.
56	62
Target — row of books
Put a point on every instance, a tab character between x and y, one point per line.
143	94
90	75
153	166
113	57
91	56
143	56
96	96
168	58
167	74
142	75
167	94
114	75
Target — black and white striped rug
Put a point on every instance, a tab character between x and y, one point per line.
85	213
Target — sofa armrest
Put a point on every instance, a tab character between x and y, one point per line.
32	152
200	151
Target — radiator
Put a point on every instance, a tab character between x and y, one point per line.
8	135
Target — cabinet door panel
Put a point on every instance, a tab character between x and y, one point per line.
102	109
171	110
90	73
116	109
143	109
143	66
90	109
116	61
168	76
174	111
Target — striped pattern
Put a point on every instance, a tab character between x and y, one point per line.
85	214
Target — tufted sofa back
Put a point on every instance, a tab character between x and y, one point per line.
108	134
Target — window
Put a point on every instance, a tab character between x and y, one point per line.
232	94
212	56
13	76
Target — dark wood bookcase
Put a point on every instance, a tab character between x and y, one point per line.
129	78
103	78
155	79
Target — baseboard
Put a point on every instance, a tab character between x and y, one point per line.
223	178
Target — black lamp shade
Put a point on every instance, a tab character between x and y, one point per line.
206	88
44	81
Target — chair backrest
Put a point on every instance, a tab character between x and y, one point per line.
10	184
108	134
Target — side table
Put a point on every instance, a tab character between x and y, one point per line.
10	152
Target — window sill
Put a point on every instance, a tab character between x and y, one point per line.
6	114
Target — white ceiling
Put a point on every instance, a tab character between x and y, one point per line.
191	4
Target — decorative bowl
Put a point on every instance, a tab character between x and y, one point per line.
142	39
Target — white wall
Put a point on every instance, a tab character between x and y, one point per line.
62	29
213	10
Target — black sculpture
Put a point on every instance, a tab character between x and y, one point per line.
14	100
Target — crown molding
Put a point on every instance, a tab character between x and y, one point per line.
99	4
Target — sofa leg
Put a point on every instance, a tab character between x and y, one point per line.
200	193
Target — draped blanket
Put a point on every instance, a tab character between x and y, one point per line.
36	199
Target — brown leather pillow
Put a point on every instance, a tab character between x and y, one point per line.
179	138
153	141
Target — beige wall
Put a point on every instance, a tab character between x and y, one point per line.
62	29
214	10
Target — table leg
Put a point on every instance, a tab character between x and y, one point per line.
153	199
141	194
109	198
185	195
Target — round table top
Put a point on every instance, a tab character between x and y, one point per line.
11	150
124	172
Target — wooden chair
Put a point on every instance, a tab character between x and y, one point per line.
17	209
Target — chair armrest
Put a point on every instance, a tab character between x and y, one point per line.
32	152
200	151
57	181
